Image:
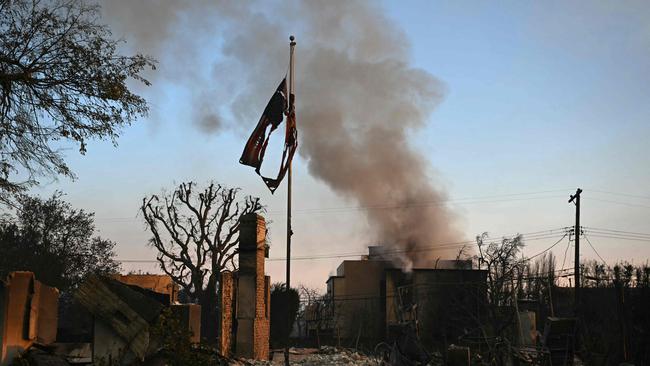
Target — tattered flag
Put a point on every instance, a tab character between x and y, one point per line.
277	109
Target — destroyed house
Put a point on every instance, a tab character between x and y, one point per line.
123	317
28	311
161	284
370	299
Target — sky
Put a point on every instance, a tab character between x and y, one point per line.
540	98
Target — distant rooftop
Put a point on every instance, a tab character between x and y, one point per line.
384	253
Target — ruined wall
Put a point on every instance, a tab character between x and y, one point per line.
17	293
29	314
121	314
262	326
126	319
358	300
162	284
226	294
615	320
253	296
449	302
108	348
190	317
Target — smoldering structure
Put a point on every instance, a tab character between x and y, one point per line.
359	99
372	299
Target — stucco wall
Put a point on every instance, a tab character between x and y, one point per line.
29	314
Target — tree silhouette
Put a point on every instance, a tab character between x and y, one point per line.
61	79
196	234
55	241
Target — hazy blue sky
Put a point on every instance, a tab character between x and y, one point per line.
541	98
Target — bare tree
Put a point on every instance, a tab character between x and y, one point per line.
312	311
196	233
61	79
503	262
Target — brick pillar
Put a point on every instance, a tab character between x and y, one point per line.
226	293
253	311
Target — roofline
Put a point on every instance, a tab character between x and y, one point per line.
331	277
438	269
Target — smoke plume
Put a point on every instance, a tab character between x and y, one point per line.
359	100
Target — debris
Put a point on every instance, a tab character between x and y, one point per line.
559	339
458	355
318	357
124	315
38	355
162	284
29	314
74	353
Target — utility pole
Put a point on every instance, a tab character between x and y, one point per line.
576	235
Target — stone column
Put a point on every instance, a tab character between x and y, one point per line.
253	310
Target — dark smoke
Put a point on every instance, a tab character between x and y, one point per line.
358	99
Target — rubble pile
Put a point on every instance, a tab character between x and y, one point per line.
323	356
333	356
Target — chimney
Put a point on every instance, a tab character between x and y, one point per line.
253	294
376	252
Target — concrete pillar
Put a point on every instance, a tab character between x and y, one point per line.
253	300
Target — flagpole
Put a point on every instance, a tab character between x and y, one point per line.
292	44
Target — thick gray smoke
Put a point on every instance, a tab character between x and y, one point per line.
359	101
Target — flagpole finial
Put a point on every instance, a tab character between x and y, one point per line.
292	39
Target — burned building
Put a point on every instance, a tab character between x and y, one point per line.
116	319
123	316
371	298
162	284
28	311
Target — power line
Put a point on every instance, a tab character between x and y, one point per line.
595	251
620	194
343	209
467	200
383	206
618	234
616	231
549	248
344	255
538	235
596	235
403	206
618	202
568	244
419	249
137	260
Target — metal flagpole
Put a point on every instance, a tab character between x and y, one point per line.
292	44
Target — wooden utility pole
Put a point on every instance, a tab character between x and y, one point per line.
576	236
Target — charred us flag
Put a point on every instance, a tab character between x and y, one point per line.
277	110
